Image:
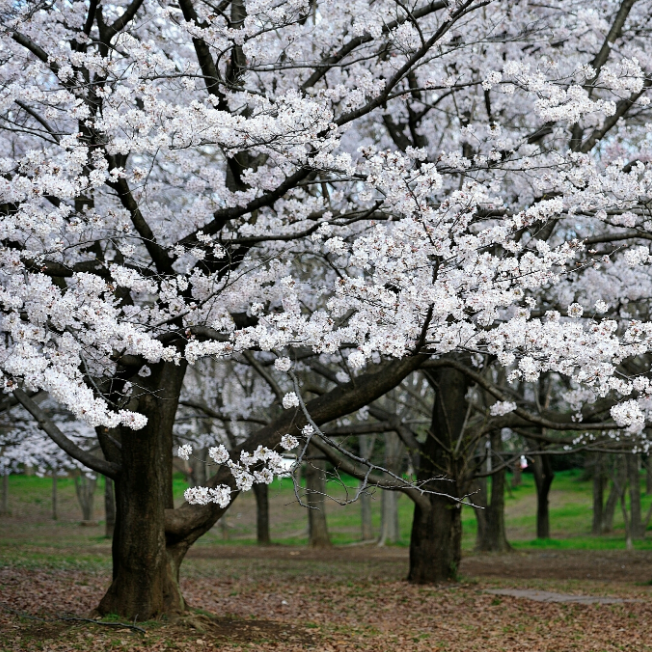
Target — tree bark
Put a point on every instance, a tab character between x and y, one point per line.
543	477
109	508
634	480
146	575
261	492
85	489
599	484
394	451
367	528
480	498
617	486
495	539
436	540
517	474
315	472
55	502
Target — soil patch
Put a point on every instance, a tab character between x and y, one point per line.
605	566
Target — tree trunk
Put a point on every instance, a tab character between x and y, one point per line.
599	484
648	475
261	493
543	477
85	489
146	575
634	479
480	498
617	486
316	498
436	540
495	539
389	530
4	503
55	505
109	508
517	474
367	531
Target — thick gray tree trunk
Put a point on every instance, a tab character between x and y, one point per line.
145	572
436	540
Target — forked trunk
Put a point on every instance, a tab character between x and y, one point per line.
436	541
146	576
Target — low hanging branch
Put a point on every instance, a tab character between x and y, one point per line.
48	426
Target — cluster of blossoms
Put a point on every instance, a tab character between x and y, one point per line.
150	219
261	466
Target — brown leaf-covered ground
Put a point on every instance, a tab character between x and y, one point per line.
286	600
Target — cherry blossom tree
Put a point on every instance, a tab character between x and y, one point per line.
370	186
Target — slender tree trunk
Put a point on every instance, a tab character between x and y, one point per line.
495	539
316	498
634	480
261	492
4	503
394	451
480	498
436	540
517	474
629	545
389	530
55	501
109	508
599	484
146	575
543	477
367	528
617	485
648	475
85	489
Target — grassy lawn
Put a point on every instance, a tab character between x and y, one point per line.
570	516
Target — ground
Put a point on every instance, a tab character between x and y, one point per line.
289	599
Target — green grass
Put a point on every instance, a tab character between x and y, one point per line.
570	518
